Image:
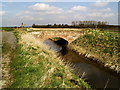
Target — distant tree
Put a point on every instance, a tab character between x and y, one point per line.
33	25
66	25
88	23
59	25
55	24
49	25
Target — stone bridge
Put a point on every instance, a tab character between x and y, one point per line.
68	35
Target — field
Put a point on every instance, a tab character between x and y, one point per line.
102	45
6	28
33	66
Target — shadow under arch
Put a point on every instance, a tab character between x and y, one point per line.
60	42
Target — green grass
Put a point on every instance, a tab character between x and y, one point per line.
55	38
35	67
6	28
111	30
101	44
5	47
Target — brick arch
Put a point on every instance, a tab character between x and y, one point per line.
67	35
58	37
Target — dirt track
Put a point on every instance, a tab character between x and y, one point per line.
10	40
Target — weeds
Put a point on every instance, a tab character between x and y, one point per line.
33	66
102	45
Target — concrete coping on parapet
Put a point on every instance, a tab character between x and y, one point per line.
54	29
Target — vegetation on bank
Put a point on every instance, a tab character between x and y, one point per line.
33	66
102	45
7	28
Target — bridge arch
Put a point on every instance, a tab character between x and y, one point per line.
66	35
60	41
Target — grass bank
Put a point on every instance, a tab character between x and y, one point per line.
101	45
6	28
33	66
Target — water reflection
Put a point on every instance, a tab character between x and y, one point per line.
52	46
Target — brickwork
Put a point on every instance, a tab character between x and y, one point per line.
67	35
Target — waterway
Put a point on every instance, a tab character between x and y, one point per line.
92	73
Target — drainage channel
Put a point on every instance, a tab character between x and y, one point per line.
93	74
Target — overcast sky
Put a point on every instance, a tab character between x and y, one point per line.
14	13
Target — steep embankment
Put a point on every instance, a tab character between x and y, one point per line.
101	46
33	66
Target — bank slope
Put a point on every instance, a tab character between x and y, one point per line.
102	45
33	66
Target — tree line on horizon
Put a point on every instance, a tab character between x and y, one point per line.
89	23
75	24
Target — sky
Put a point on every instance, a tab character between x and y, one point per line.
14	13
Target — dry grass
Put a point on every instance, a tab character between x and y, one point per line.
8	45
34	66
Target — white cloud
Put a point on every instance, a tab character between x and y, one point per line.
44	7
53	12
49	0
48	14
42	13
58	0
97	14
70	11
2	12
48	9
104	13
79	8
27	17
79	16
23	13
102	10
100	4
106	10
109	15
100	14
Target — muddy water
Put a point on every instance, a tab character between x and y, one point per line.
95	75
